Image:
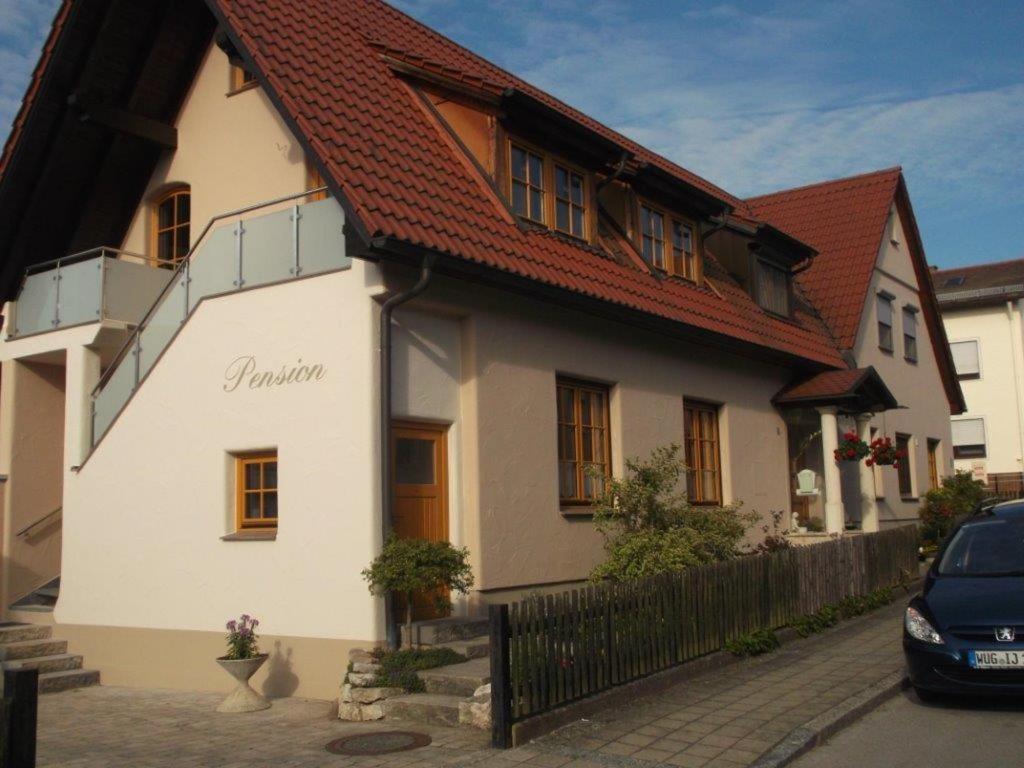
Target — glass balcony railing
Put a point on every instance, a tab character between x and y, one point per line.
99	284
248	251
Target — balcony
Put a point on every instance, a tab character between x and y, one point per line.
92	286
236	251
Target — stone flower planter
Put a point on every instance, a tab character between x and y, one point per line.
243	698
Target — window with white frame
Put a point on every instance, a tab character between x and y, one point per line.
885	322
966	359
969	439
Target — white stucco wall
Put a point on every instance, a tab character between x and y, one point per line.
916	386
998	396
143	519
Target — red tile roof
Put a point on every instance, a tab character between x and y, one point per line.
979	284
322	61
863	388
844	221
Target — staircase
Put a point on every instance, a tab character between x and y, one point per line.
41	600
449	690
32	646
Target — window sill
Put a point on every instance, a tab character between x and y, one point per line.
269	535
886	351
243	88
584	511
911	360
910	498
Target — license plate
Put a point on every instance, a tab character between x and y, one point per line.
996	659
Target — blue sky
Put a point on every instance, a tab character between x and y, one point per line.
758	96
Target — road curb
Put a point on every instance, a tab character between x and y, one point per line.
828	724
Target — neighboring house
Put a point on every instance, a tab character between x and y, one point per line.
358	279
983	311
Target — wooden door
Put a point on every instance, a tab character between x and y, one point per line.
419	473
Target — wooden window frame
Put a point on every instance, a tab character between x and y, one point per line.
933	462
696	493
241	462
544	188
670	265
169	194
314	180
767	264
910	350
906	467
577	386
890	300
549	198
241	80
571	170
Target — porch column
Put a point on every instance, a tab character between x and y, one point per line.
82	374
868	495
835	516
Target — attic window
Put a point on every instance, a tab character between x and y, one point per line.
669	243
953	282
652	236
527	173
772	286
570	208
241	79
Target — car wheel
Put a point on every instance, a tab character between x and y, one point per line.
927	696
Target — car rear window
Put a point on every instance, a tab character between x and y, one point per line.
990	548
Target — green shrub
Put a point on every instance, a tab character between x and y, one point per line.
407	566
814	525
650	527
957	497
846	608
753	643
398	668
406	679
816	622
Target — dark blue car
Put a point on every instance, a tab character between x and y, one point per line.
965	632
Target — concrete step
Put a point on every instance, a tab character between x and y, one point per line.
15	632
59	662
26	649
457	679
52	682
474	648
431	708
443	631
53	592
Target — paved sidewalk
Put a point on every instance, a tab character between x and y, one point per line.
727	717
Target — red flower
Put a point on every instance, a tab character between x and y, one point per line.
870	462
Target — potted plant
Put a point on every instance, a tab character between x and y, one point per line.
407	566
241	662
851	448
884	453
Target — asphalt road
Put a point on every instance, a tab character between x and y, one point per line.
906	732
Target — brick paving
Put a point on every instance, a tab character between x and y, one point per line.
723	719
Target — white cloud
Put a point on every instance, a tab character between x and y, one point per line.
24	25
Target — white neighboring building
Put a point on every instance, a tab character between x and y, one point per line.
983	311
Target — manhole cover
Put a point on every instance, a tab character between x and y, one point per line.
378	743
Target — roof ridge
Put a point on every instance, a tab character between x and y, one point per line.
985	265
825	182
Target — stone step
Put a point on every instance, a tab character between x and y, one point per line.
474	648
431	708
59	662
443	631
457	679
52	682
16	632
27	649
53	592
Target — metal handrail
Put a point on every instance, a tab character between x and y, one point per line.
73	258
182	265
30	526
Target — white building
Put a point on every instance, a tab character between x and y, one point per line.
983	311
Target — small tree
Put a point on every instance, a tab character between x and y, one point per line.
958	495
651	528
407	566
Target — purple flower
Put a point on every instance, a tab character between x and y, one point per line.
245	618
232	626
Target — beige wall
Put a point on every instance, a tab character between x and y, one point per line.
510	351
917	386
998	396
31	455
233	151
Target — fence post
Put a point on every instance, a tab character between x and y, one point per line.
501	689
21	689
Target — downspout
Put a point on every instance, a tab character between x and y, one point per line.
387	513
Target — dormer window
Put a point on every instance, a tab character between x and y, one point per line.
527	175
772	287
669	243
570	208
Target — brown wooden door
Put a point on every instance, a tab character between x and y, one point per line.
419	467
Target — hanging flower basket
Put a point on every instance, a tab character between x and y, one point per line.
851	448
884	453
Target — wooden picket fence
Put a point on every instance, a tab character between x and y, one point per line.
552	650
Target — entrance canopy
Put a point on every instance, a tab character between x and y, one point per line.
857	390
